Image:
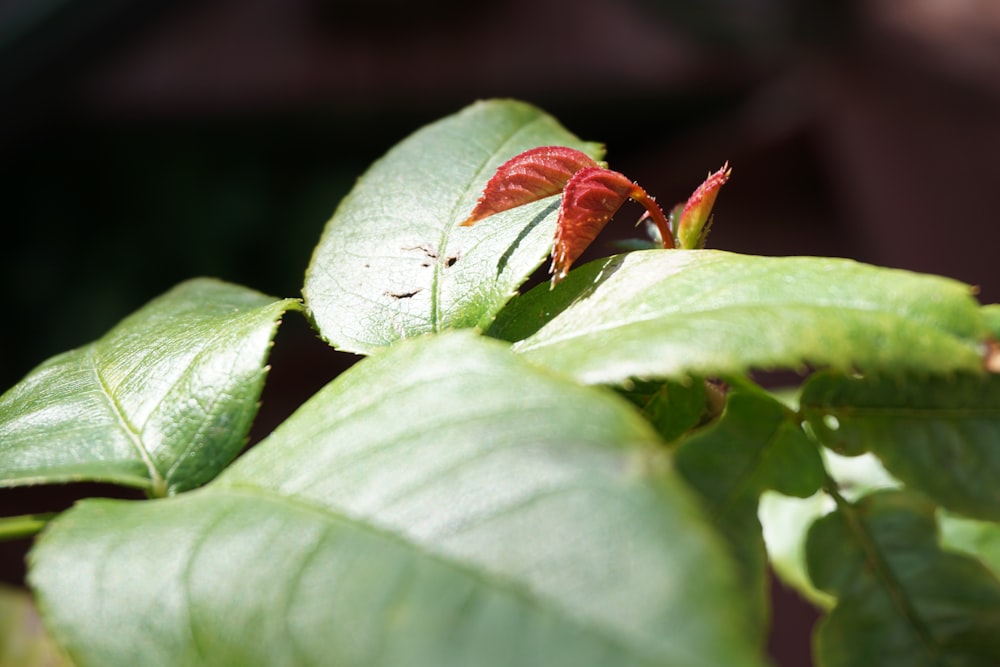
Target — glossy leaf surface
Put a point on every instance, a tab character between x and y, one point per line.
393	521
936	434
672	314
394	262
162	402
757	444
902	600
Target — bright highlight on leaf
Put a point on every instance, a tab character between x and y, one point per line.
529	176
694	220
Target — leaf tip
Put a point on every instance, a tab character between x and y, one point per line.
694	219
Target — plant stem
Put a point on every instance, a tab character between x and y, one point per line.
26	525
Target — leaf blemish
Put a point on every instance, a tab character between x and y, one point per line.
450	261
403	295
427	250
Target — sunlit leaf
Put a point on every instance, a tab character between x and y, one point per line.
394	521
394	261
674	314
694	218
527	177
162	402
590	200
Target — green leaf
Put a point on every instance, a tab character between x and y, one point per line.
440	503
936	434
671	314
786	520
393	263
977	538
758	444
162	402
992	315
901	599
673	408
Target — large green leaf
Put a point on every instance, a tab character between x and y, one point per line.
901	599
440	503
674	313
937	434
758	444
393	262
162	402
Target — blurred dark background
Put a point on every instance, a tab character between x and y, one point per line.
146	142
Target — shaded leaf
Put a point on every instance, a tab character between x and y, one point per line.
786	519
162	402
758	444
527	177
393	261
901	599
936	434
674	314
466	537
673	408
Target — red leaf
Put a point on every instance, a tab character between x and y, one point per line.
590	200
527	177
693	224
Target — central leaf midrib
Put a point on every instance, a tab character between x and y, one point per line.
882	572
475	182
489	581
157	483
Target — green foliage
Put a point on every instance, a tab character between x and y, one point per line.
589	483
393	261
656	314
756	445
162	402
901	599
935	434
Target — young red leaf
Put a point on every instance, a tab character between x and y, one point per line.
692	228
527	177
591	198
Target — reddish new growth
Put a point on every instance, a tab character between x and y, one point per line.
590	200
591	196
694	219
527	177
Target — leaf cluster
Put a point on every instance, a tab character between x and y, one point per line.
587	475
